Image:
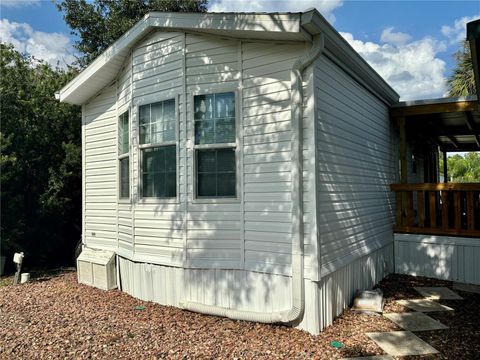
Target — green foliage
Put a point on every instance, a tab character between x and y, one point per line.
99	23
462	81
464	169
40	161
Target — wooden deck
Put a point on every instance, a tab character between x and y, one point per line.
438	209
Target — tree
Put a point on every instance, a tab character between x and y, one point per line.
462	81
40	162
463	169
99	23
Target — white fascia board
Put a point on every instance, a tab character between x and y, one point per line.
263	22
119	48
445	100
315	23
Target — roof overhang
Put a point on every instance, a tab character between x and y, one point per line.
473	37
268	26
451	123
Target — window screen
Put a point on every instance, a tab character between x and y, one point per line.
159	152
160	172
215	143
125	177
123	134
157	122
216	173
123	155
214	118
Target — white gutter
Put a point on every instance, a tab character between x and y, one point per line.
298	286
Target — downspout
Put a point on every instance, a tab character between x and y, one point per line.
298	287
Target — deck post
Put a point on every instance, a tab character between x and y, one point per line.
403	150
445	173
403	165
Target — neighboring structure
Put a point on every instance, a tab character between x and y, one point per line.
473	37
240	165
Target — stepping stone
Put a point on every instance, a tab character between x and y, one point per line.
438	293
415	321
401	343
377	357
424	305
467	287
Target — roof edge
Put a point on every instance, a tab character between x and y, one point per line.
445	100
315	23
310	21
247	22
137	31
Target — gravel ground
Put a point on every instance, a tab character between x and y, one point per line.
56	318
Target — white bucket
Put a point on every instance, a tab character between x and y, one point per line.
25	277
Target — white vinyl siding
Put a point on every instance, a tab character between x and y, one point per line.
213	234
267	154
158	149
252	230
356	162
100	153
157	76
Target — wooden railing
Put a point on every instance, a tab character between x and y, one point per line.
438	209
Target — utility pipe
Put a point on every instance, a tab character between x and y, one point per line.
298	287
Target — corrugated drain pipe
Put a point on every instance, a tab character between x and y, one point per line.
298	287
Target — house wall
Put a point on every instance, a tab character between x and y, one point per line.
357	160
249	233
237	253
99	131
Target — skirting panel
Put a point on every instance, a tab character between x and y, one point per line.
253	291
336	290
441	257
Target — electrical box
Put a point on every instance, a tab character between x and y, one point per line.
97	268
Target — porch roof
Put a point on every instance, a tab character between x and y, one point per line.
451	123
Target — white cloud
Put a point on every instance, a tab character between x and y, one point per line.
412	68
19	3
396	38
54	48
457	31
326	7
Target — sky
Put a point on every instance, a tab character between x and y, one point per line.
409	43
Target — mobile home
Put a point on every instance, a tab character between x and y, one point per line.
239	164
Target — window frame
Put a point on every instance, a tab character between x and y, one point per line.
120	199
141	147
232	145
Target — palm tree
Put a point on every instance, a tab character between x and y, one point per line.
462	81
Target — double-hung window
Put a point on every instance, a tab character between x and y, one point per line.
124	156
157	125
215	145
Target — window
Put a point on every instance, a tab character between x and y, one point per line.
123	155
215	144
157	124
